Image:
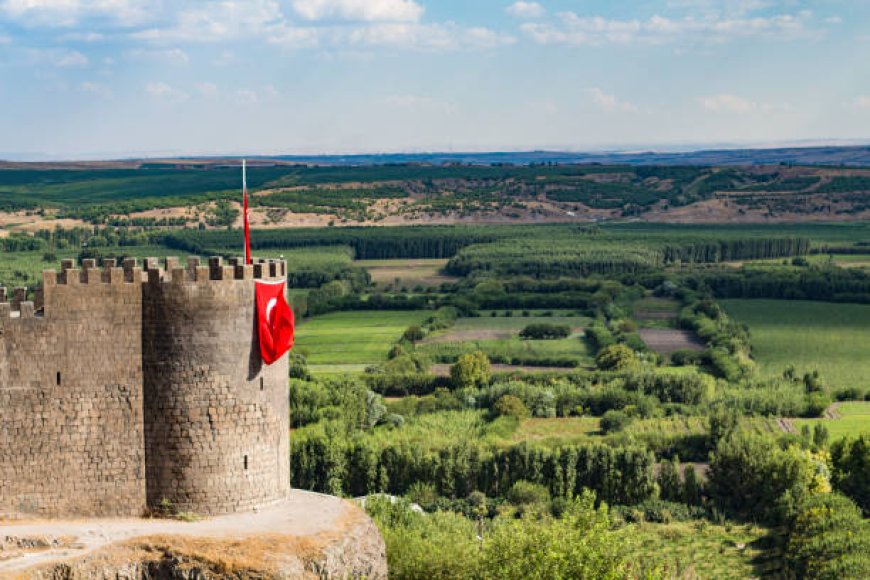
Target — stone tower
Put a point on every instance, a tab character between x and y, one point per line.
120	388
216	418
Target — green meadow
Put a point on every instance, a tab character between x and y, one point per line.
853	419
352	338
698	549
516	322
831	338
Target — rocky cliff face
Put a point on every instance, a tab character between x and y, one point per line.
310	536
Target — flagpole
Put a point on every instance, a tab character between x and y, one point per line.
247	241
244	217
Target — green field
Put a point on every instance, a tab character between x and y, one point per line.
517	322
406	273
353	338
557	431
854	419
514	351
831	338
498	338
841	260
698	549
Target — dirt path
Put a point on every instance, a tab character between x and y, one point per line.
787	425
833	412
303	514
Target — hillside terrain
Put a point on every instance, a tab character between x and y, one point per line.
205	194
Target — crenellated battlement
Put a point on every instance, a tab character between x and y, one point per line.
213	270
16	305
89	273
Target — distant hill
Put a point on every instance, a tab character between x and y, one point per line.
304	192
846	156
853	156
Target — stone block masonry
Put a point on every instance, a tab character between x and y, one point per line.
122	387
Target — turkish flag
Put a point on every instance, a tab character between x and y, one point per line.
274	321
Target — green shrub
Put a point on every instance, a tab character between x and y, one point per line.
441	545
659	511
817	403
686	357
471	370
414	334
423	494
299	367
614	421
670	483
751	475
544	331
511	406
615	357
580	544
850	459
828	540
528	497
397	350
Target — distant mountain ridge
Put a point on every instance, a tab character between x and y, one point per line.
850	156
830	155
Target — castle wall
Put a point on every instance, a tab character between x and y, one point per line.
216	419
71	420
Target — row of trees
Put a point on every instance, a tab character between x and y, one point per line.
335	464
813	283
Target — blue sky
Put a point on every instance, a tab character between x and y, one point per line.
108	78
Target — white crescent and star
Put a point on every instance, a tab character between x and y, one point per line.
269	307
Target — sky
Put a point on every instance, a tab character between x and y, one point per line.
120	78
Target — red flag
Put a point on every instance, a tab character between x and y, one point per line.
245	211
274	321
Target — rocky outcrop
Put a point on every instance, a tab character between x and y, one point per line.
340	542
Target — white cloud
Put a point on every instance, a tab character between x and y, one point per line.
69	59
207	89
610	103
571	29
833	20
215	21
420	103
82	37
225	58
61	13
359	10
5	39
296	37
430	37
863	102
731	104
526	10
95	89
169	55
60	58
163	92
247	96
254	97
479	37
721	7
